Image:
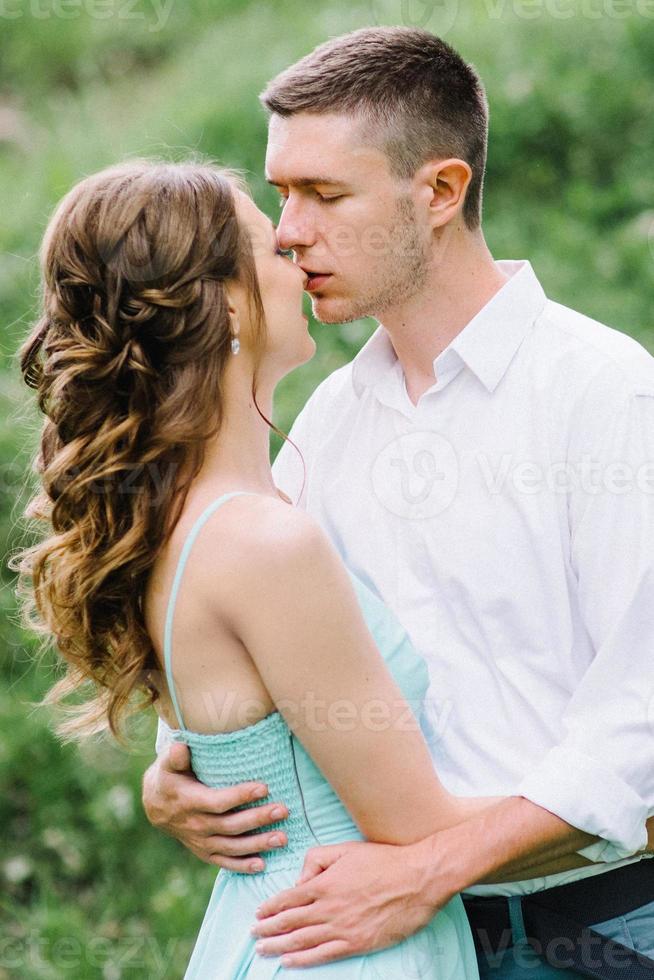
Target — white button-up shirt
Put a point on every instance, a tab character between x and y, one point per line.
508	520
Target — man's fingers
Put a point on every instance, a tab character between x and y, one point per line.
223	800
317	860
242	846
285	922
197	797
290	899
218	825
178	758
295	941
245	821
325	953
249	865
241	824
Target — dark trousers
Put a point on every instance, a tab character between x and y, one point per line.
520	960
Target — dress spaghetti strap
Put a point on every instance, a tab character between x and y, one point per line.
177	581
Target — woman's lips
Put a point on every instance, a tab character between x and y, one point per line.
316	281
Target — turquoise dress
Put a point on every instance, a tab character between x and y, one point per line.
268	752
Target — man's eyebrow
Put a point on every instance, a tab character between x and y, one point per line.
303	182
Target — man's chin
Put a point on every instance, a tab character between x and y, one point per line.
335	311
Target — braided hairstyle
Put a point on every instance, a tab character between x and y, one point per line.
126	359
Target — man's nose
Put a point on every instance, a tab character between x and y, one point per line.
295	229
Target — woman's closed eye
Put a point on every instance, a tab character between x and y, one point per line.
286	253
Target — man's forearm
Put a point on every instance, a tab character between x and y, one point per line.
543	867
499	844
563	857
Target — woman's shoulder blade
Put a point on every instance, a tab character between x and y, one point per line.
256	537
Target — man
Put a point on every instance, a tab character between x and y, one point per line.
486	465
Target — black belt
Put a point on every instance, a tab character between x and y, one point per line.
557	923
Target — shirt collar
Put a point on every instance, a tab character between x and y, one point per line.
486	344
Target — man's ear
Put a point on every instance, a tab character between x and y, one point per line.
445	183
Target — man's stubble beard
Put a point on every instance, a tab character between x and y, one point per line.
400	274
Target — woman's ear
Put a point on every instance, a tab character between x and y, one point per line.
234	294
234	318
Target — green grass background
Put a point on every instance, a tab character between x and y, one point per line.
88	889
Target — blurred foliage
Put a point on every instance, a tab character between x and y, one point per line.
88	888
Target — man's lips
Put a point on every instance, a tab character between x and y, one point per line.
316	279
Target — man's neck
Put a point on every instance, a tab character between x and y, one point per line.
461	283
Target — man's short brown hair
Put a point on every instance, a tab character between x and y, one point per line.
422	101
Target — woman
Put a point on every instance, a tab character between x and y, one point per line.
175	568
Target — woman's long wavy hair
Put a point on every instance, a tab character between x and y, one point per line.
127	359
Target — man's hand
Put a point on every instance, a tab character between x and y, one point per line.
350	899
650	836
355	898
180	805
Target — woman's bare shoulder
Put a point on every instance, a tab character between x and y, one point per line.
257	536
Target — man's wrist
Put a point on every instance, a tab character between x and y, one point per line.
458	857
441	872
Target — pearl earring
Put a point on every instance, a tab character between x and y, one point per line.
236	343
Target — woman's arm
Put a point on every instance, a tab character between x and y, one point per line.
311	645
292	605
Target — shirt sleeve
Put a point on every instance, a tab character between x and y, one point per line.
600	777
